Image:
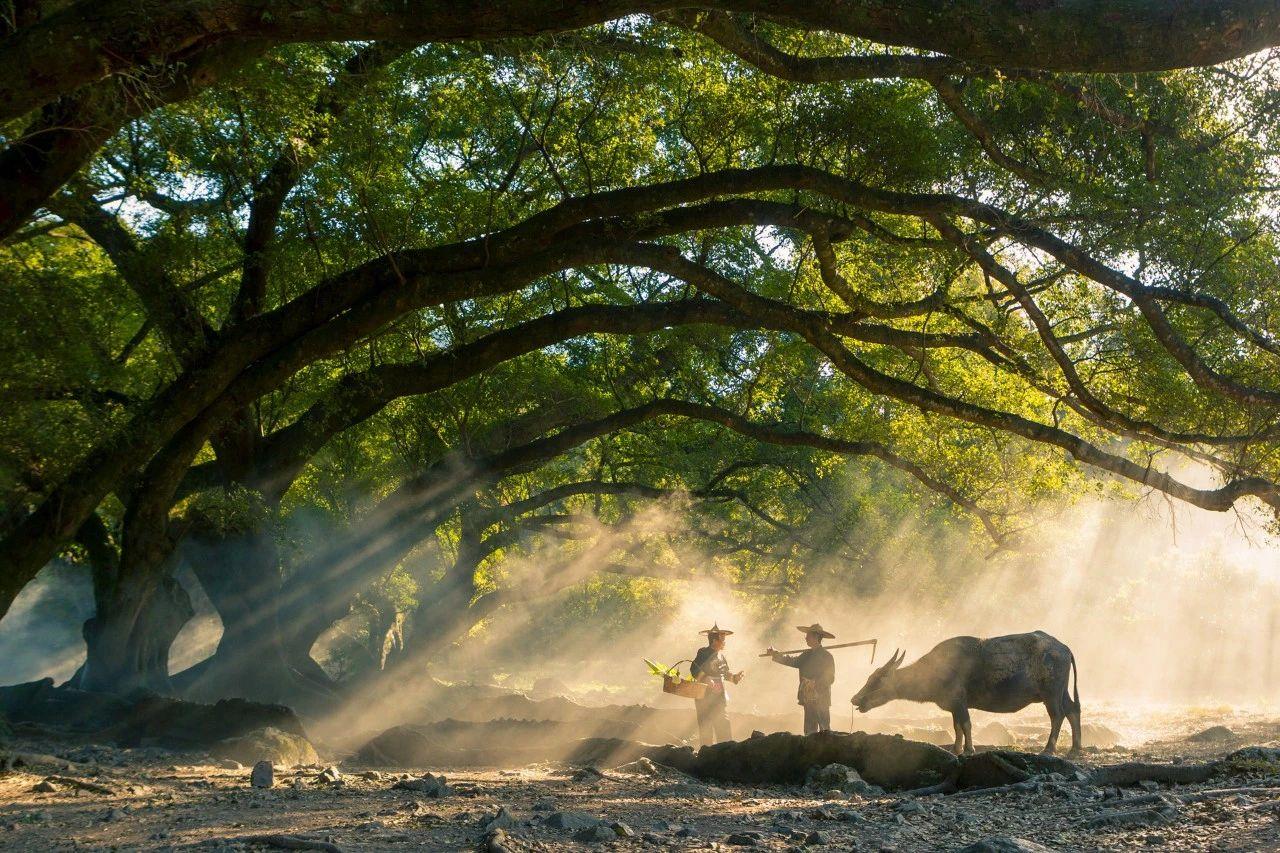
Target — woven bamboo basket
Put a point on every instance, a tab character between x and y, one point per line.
677	686
687	689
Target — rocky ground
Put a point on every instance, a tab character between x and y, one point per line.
61	795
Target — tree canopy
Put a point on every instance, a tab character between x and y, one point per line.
379	300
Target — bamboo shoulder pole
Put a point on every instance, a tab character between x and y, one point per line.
871	643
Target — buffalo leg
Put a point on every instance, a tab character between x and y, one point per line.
1073	716
964	730
1056	715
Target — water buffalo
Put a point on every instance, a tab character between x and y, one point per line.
1002	674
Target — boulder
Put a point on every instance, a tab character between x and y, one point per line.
263	775
268	744
840	778
596	834
994	734
143	719
173	723
1213	734
432	786
1262	754
62	707
498	842
1092	734
503	819
571	821
643	765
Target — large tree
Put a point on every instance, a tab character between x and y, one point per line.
940	260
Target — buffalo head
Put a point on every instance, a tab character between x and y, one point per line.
879	688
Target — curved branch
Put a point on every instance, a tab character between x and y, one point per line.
67	132
295	158
734	37
1221	499
94	39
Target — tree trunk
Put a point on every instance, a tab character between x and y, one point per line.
241	576
140	608
129	638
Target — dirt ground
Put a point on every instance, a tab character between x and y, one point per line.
150	799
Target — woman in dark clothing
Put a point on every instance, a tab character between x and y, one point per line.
710	667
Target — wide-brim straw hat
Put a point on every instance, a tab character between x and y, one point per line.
716	630
815	628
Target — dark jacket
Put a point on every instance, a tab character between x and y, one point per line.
711	664
818	666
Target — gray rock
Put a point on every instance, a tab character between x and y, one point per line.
842	779
571	821
430	785
587	774
504	819
230	764
743	839
621	830
909	807
642	765
1004	844
263	775
1251	754
45	787
593	834
816	837
546	804
498	842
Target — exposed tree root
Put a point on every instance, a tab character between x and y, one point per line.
1131	773
1029	785
70	782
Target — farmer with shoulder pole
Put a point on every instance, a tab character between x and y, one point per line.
817	674
710	667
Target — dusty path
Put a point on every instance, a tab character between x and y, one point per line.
170	801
